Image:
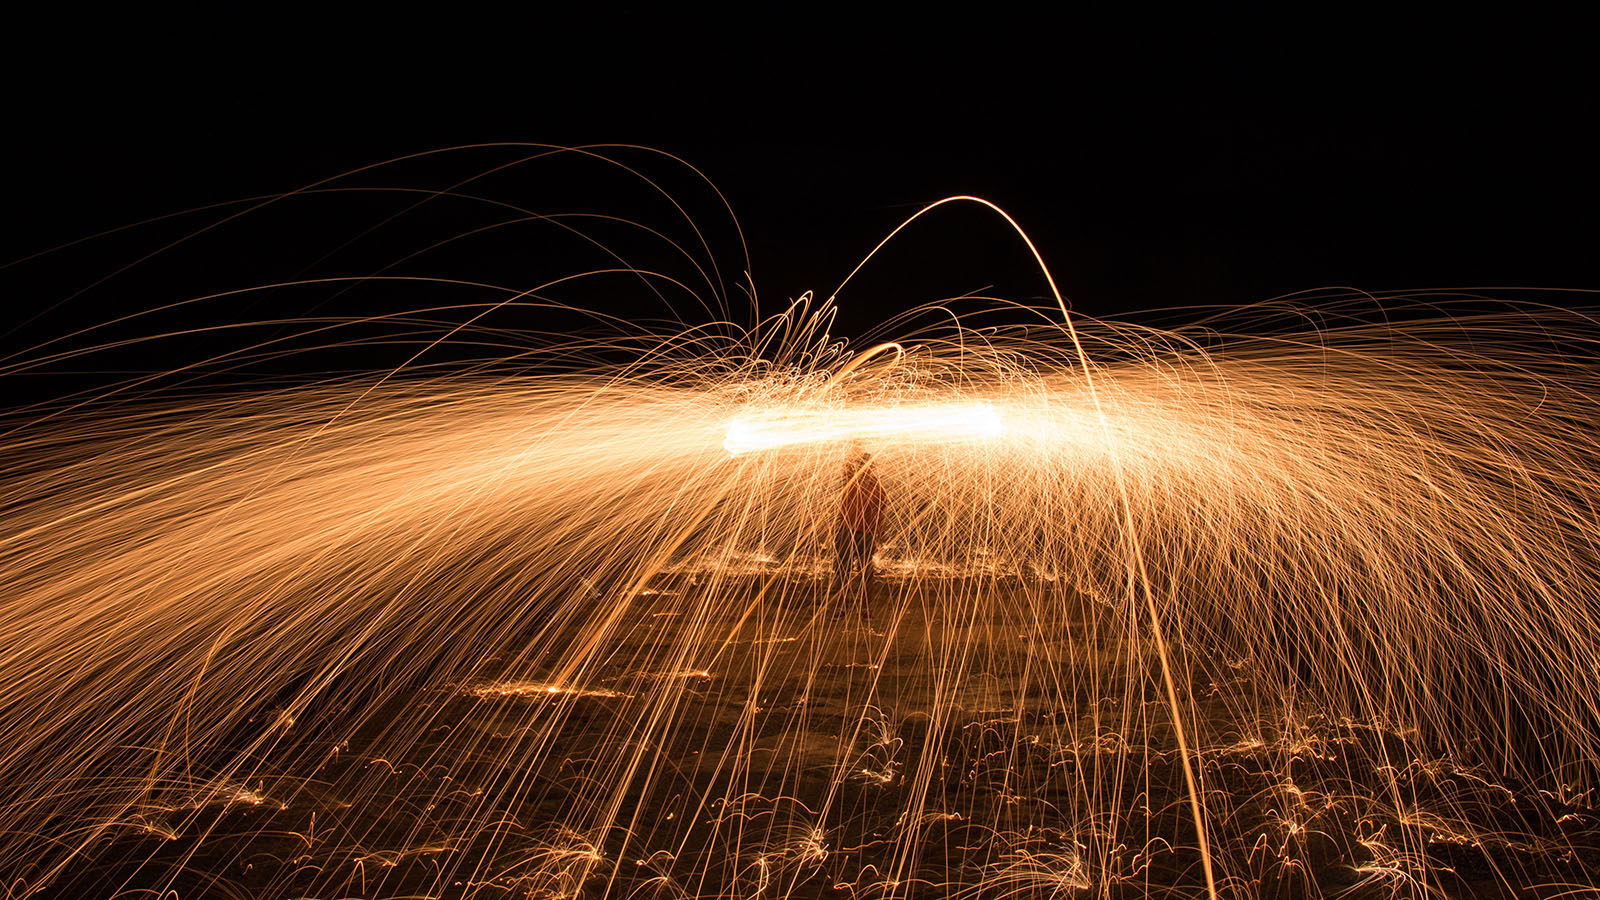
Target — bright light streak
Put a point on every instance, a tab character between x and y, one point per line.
927	422
533	635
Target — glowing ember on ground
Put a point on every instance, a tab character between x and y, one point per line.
535	689
1311	611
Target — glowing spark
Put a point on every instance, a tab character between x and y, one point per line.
536	689
528	628
911	423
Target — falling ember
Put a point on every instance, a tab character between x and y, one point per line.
535	689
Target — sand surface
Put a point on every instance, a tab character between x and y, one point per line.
1001	736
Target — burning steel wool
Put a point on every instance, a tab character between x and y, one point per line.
1158	613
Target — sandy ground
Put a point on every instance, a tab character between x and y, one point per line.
761	746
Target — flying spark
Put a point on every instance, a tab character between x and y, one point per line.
1265	611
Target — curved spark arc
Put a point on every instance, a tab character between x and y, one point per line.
1197	808
540	636
1154	436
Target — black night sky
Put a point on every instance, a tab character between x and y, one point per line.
1205	182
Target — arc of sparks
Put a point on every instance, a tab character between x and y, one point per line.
1191	779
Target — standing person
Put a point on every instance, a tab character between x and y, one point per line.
856	540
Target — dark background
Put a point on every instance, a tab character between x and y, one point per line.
1210	179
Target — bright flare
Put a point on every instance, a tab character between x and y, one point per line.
928	422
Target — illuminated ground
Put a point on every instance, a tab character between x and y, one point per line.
805	749
495	590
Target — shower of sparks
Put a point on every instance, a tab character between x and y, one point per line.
575	635
571	635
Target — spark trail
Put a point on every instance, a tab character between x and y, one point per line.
457	635
246	606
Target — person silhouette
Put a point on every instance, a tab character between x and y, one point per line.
856	536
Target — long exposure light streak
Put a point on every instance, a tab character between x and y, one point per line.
1260	610
917	423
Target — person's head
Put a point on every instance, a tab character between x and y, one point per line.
858	456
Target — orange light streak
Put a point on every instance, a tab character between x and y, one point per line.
909	423
1249	610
